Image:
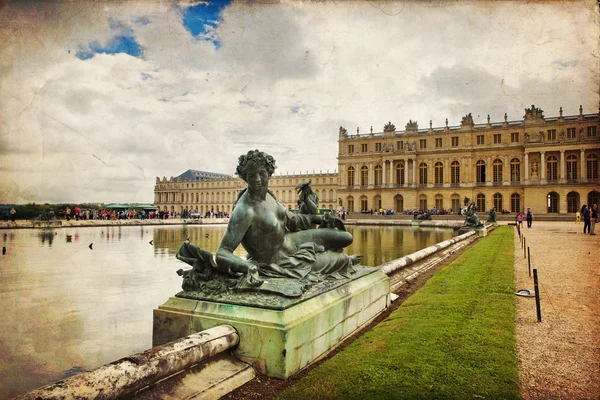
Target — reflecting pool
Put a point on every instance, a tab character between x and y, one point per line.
68	307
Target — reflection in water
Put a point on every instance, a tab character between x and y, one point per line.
67	309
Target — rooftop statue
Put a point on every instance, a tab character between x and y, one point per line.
279	243
472	220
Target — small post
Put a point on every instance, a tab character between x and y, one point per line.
537	295
524	246
529	261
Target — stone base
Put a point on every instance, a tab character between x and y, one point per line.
481	231
280	342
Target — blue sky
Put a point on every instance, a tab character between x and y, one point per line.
201	19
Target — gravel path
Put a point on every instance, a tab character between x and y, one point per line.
560	357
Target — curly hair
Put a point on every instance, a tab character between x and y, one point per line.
254	157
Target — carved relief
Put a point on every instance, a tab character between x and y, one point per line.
467	120
533	114
412	125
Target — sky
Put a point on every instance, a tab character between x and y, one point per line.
97	99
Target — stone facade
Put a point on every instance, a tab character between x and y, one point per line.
547	164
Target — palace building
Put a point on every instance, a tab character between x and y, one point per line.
548	164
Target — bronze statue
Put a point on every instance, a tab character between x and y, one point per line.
280	244
308	201
472	220
492	215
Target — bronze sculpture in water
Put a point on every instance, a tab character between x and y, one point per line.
280	244
472	220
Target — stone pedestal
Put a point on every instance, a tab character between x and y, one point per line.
283	335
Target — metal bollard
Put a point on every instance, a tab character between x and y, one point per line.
537	295
529	261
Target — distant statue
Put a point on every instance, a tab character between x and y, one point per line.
466	201
46	216
424	217
534	169
308	201
526	138
285	247
340	202
492	215
472	220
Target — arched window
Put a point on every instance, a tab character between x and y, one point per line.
572	202
423	174
364	204
455	173
592	166
439	201
455	199
350	176
498	202
594	197
439	173
399	201
423	202
378	175
481	202
364	175
497	166
552	201
571	167
552	168
331	196
350	203
400	174
480	171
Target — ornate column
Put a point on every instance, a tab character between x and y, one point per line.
391	179
526	166
582	163
383	174
405	172
414	172
543	165
562	164
371	174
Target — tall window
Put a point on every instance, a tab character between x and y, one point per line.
552	168
455	202
399	203
423	174
572	202
423	143
351	176
364	206
481	202
439	201
480	171
364	147
377	146
571	167
592	166
497	138
515	170
378	175
455	173
552	200
399	145
551	134
439	173
423	203
515	203
350	203
364	175
438	142
498	202
400	174
350	148
591	130
514	137
571	133
480	139
497	166
454	141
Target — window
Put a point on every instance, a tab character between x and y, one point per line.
399	145
454	141
399	203
592	166
481	202
515	203
423	174
423	143
400	174
480	139
515	170
551	134
378	175
364	175
455	174
552	200
514	137
439	201
591	131
439	173
571	133
572	202
498	202
350	148
351	176
571	167
455	199
363	203
552	168
377	146
423	203
480	171
438	142
350	203
497	167
497	138
364	147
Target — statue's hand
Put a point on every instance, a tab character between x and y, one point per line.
252	277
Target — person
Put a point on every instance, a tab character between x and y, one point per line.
529	217
593	219
13	214
585	211
6	215
68	213
520	219
279	243
577	216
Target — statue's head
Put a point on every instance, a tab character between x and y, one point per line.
254	157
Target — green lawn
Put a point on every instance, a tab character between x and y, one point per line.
453	339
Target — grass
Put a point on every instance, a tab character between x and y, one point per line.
453	339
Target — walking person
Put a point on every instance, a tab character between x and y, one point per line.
585	211
593	219
520	219
529	217
13	214
5	213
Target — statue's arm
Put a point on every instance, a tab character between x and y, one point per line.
236	229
